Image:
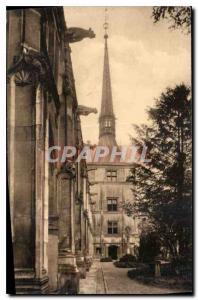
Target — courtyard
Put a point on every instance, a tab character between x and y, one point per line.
105	278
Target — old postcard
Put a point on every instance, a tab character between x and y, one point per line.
99	150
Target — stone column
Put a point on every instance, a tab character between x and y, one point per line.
78	204
91	246
73	196
80	260
11	144
46	197
26	194
41	223
68	272
53	228
87	235
83	219
101	233
53	254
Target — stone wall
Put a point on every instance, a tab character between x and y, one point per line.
51	232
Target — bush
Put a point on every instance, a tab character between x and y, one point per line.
167	269
106	259
126	261
121	264
145	270
128	258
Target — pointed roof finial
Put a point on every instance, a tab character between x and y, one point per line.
107	117
106	24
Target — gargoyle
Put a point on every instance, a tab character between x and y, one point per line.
85	111
76	34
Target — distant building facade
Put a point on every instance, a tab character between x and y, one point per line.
115	234
51	219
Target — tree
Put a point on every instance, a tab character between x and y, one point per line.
149	247
178	16
162	188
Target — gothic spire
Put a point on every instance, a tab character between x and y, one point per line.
107	117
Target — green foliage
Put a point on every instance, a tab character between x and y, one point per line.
130	264
149	247
163	187
140	271
127	258
177	16
126	261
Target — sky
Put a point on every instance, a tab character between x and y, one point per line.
145	59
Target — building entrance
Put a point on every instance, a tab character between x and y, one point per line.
113	251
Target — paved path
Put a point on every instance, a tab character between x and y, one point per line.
105	278
118	282
94	281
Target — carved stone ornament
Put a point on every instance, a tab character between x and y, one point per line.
76	34
69	168
24	78
29	67
68	85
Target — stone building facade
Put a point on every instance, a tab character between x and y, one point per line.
115	234
51	219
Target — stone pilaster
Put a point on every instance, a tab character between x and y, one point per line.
11	144
68	275
26	167
78	205
53	228
80	260
53	254
83	219
40	222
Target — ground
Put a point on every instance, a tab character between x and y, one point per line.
105	278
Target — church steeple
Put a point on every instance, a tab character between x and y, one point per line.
107	117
